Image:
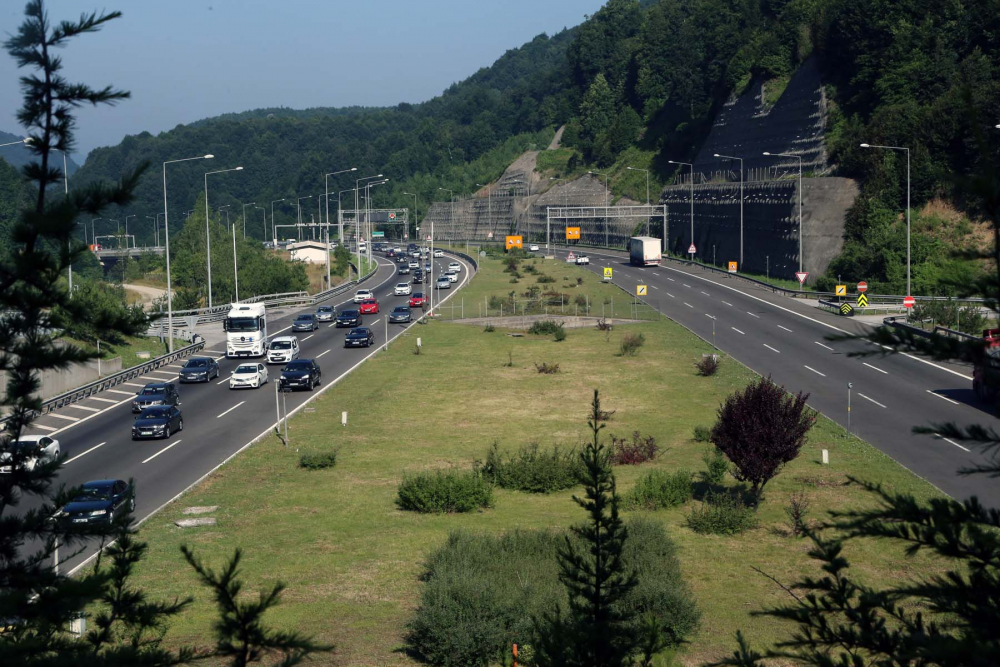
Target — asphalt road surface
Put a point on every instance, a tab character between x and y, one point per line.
95	434
789	340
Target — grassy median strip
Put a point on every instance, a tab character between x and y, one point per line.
353	559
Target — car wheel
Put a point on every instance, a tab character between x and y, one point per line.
180	425
311	385
166	433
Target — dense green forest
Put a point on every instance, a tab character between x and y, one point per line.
637	83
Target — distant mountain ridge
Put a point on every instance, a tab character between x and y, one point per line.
17	156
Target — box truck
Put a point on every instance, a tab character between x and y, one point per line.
246	330
644	251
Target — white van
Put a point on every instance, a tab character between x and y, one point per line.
283	349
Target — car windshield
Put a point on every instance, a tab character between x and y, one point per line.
358	332
243	324
403	285
304	318
298	366
249	368
88	493
24	446
348	314
401	309
418	295
281	345
197	363
324	309
153	413
152	391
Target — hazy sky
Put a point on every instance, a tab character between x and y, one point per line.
184	60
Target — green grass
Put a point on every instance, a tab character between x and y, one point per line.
775	88
129	348
353	561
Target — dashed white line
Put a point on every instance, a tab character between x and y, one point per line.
175	442
222	381
123	393
875	368
952	442
376	322
44	428
671	295
737	331
671	279
83	453
710	316
685	285
706	294
815	371
771	348
752	315
132	384
945	398
69	419
786	329
105	400
654	287
867	398
230	410
321	354
823	346
308	337
728	304
83	407
688	304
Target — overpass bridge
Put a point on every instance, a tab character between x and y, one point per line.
113	254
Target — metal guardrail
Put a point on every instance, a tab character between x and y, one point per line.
105	383
900	322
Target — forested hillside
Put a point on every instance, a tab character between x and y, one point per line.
638	83
18	155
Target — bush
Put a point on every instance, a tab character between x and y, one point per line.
716	466
560	334
532	470
581	300
495	302
579	281
416	349
702	434
630	344
553	298
489	328
318	461
544	327
659	489
633	452
708	365
513	280
482	591
530	268
544	278
547	369
722	514
796	511
452	491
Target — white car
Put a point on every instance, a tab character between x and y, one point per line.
533	247
248	376
451	276
439	253
415	253
414	265
283	349
583	259
363	295
402	289
455	266
34	449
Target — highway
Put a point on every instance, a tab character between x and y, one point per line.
95	434
788	339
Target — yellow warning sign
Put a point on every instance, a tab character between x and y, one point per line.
862	301
732	267
640	290
572	233
840	290
514	242
607	272
846	309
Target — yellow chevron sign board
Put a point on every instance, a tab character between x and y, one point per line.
846	309
862	301
840	290
640	290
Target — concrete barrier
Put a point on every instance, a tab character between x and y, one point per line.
55	382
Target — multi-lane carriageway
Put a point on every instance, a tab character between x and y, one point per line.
95	434
789	340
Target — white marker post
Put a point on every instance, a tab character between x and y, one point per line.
343	418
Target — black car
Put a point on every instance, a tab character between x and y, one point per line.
100	501
400	314
418	277
305	322
402	258
199	369
300	374
157	422
155	393
349	318
359	337
403	269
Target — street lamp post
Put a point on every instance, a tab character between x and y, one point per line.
489	205
326	193
166	237
907	150
208	233
252	203
799	158
688	164
730	157
226	208
594	173
410	194
298	214
236	273
126	228
357	218
274	235
368	220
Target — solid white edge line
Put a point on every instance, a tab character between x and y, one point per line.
870	399
823	346
771	348
814	371
230	410
945	398
175	442
261	436
737	331
68	461
875	368
952	442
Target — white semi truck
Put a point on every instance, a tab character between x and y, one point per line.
246	330
644	251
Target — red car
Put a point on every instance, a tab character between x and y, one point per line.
418	300
369	307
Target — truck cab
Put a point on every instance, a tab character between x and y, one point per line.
246	330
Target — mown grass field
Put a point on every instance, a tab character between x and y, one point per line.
353	561
129	348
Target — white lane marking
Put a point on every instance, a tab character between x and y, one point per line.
824	346
105	400
752	315
737	331
83	407
815	371
69	419
160	377
706	294
710	316
654	287
123	393
671	295
330	326
685	285
771	348
308	337
786	329
222	381
175	365
868	398
875	368
671	280
688	304
727	303
213	352
376	322
43	427
321	354
67	462
951	442
941	397
175	442
230	409
132	384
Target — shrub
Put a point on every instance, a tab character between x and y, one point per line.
532	292
495	302
513	280
510	360
511	264
581	300
547	369
544	327
452	491
658	489
633	452
544	278
530	268
553	298
716	465
579	281
318	461
481	592
630	344
796	511
722	514
489	328
531	469
702	434
708	365
416	349
559	335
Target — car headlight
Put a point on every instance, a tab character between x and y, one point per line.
97	513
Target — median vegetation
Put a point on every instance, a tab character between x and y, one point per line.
450	491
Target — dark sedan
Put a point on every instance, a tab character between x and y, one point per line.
155	393
100	501
305	322
404	270
359	337
199	369
300	374
418	277
157	422
400	314
349	318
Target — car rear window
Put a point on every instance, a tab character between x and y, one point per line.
154	412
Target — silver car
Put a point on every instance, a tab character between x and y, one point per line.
325	313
